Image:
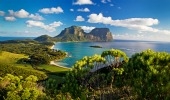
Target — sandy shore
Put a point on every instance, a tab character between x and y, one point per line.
52	47
53	63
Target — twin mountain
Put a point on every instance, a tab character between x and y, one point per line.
75	33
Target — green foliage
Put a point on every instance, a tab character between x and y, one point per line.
20	71
10	58
8	64
53	68
88	75
148	73
36	60
115	56
45	39
34	50
62	96
19	88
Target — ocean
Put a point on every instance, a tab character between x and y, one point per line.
77	50
15	38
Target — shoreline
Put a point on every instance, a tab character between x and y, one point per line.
52	47
53	62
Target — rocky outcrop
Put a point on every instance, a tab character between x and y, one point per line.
75	33
100	34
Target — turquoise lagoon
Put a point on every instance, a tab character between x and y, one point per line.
77	50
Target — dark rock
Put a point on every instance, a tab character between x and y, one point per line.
75	33
101	34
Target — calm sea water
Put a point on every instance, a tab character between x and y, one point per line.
78	50
15	38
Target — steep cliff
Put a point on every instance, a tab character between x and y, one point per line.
75	33
100	34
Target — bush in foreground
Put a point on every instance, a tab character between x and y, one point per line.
19	71
19	88
148	73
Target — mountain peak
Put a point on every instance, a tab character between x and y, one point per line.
76	33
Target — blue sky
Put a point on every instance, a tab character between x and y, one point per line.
127	19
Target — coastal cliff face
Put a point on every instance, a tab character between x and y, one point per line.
101	34
75	30
75	33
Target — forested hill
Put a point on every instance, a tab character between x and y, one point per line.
76	33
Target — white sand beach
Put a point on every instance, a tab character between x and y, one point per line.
52	47
53	63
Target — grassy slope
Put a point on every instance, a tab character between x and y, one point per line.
11	58
52	68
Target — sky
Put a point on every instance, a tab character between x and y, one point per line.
126	19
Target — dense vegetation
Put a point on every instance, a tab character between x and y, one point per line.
39	53
19	88
109	76
8	64
148	73
145	76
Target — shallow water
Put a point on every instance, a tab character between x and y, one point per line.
77	50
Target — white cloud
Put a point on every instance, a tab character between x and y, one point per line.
36	17
87	28
56	24
139	24
119	8
83	2
111	5
103	1
24	14
50	28
10	18
79	18
2	13
20	14
84	10
52	10
71	9
94	18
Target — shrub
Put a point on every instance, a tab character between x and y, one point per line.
5	69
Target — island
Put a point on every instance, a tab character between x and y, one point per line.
77	34
96	46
